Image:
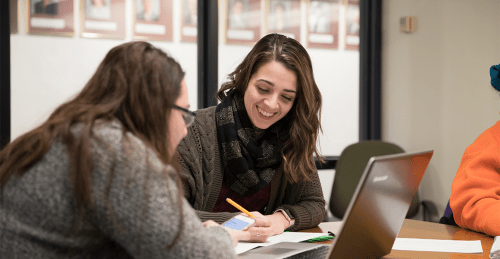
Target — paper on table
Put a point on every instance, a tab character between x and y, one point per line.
495	248
437	245
283	237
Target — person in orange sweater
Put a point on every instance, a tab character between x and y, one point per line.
475	193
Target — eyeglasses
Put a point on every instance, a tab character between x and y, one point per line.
188	115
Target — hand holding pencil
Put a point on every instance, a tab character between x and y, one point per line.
240	208
255	235
265	225
269	221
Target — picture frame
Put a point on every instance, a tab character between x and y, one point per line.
102	19
243	21
50	17
284	17
189	21
323	18
352	25
14	16
153	20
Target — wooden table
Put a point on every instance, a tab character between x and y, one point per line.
421	229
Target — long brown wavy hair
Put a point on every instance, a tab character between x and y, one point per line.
305	115
136	84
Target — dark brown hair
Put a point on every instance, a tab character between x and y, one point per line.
305	114
136	84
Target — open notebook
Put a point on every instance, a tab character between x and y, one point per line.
374	216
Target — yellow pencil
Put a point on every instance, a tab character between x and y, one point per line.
239	207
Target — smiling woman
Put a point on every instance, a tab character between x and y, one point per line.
265	130
270	94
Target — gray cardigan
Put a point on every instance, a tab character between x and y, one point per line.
38	216
202	174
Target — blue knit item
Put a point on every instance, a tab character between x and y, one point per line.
495	81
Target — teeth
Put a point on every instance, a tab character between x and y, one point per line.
264	113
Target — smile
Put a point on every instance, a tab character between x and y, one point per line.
264	113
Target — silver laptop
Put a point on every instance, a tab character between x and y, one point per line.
374	216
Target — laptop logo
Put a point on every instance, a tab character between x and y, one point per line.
377	179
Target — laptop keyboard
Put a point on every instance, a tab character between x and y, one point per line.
320	252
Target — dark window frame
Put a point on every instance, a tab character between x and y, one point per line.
5	119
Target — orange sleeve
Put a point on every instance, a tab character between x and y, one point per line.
475	193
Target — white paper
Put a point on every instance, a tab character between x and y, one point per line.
321	38
240	34
283	237
150	28
437	245
104	26
495	248
47	23
352	40
189	31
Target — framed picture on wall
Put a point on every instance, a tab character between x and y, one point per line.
189	21
323	24
284	16
50	17
243	21
102	19
152	20
14	16
352	25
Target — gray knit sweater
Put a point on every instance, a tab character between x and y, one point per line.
202	174
38	216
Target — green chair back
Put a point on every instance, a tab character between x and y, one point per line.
350	167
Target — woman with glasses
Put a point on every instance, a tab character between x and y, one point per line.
256	147
97	178
188	115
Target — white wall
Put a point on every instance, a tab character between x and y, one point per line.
436	91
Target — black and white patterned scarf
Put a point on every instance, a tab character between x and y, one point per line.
249	164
